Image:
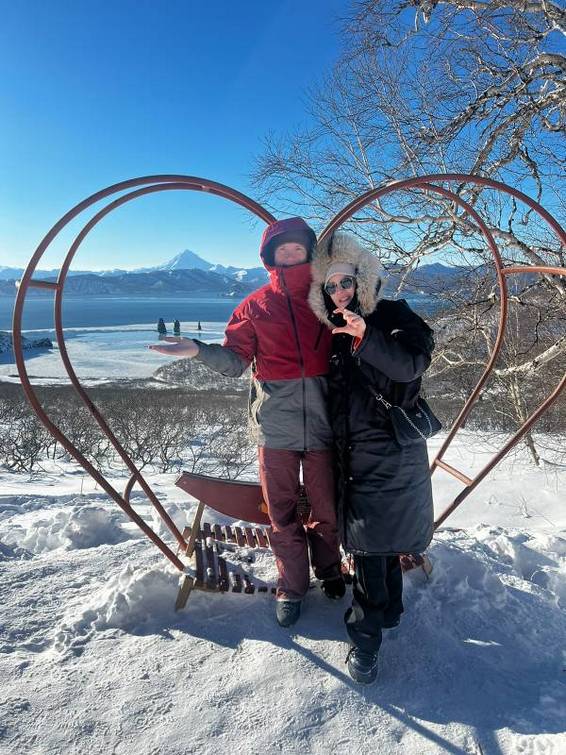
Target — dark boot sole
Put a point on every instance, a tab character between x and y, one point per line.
366	679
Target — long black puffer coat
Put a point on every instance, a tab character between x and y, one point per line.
384	493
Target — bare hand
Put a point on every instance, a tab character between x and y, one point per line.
176	346
355	324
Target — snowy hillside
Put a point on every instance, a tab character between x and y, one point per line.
6	343
93	658
196	376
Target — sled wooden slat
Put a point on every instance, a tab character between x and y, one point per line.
261	538
240	539
223	579
229	534
218	534
194	529
250	538
199	582
211	576
184	592
186	534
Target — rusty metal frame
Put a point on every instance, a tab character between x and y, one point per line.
152	184
426	183
147	185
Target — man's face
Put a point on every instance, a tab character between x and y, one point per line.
290	253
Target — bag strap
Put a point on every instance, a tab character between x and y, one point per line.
388	405
377	396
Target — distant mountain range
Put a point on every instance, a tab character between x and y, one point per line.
187	274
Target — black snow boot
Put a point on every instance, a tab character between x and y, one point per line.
391	623
287	612
362	666
334	588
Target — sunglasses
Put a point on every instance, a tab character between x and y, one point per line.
345	283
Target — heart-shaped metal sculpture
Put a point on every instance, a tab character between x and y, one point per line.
243	500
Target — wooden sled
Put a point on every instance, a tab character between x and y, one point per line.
208	544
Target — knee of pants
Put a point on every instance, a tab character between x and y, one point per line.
291	527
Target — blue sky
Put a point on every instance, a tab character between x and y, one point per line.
92	93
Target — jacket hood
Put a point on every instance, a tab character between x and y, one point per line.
293	229
343	247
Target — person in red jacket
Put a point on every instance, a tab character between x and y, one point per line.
275	330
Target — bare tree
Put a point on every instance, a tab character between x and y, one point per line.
437	87
432	87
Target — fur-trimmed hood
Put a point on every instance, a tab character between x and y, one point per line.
343	247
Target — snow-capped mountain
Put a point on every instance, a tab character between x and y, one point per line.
185	260
189	260
186	272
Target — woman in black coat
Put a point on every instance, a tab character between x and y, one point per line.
384	493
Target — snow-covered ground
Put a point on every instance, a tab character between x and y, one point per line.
101	354
93	658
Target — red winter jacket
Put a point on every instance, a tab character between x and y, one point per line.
276	327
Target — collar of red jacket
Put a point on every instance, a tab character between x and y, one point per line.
295	280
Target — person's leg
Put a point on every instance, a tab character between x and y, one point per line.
279	477
322	532
394	582
364	620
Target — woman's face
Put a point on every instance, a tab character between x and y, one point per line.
341	289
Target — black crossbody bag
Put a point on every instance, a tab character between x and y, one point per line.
410	425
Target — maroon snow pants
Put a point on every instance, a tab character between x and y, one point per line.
290	539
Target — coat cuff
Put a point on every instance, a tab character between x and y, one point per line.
359	344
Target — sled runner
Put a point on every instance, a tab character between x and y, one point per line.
243	501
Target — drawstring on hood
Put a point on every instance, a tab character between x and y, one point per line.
344	248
